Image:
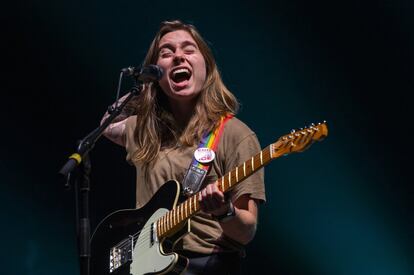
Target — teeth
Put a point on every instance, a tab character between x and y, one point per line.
183	70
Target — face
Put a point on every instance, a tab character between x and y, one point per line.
183	64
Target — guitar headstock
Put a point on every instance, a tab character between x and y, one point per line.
299	140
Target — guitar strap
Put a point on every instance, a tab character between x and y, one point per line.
203	158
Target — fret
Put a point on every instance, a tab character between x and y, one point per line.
194	206
177	214
164	224
160	222
168	221
161	230
159	227
191	205
195	203
271	150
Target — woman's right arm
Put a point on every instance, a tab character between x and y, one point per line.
116	130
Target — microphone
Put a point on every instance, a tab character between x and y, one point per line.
148	73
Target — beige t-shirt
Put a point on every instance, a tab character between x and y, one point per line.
237	144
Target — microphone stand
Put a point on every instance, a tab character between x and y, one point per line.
81	156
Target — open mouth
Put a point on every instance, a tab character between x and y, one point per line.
180	75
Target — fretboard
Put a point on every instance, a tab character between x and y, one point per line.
172	220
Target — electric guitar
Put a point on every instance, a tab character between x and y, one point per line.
141	241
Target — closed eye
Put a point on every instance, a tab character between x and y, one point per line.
164	53
189	49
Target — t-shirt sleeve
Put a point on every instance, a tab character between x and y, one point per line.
240	147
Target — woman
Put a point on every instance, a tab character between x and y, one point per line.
169	119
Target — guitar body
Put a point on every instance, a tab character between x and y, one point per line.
125	243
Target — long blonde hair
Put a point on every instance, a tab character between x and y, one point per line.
155	125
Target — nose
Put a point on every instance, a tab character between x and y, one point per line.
179	56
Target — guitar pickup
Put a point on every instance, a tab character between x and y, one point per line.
153	234
121	254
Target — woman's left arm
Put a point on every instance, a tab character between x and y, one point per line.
238	220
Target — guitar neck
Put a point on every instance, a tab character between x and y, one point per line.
296	141
172	221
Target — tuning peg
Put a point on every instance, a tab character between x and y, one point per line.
290	136
292	131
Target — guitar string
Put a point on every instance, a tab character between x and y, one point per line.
126	242
135	237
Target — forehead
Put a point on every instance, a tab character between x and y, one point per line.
176	38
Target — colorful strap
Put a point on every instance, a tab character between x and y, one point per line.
199	168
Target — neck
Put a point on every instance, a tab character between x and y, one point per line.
182	111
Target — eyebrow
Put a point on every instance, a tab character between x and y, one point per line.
183	44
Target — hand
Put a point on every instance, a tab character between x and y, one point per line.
212	200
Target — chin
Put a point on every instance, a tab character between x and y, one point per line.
184	92
184	95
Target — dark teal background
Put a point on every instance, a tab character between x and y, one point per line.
343	207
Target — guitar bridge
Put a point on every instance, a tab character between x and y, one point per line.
121	254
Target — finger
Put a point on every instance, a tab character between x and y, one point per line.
210	189
201	202
217	194
206	200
